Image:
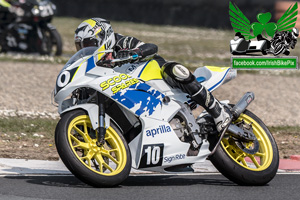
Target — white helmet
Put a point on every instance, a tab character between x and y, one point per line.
94	32
295	33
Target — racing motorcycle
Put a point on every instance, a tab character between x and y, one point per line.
280	44
31	29
117	118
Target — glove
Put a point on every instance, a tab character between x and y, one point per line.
124	53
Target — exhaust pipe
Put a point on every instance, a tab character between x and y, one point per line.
241	106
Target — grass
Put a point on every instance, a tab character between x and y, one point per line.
294	130
28	126
27	138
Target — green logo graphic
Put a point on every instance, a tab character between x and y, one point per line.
240	22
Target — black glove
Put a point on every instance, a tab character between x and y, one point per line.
124	53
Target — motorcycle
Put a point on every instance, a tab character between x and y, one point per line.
31	30
240	46
117	118
281	43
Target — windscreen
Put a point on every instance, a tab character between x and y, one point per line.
79	55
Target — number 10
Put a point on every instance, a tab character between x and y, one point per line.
152	155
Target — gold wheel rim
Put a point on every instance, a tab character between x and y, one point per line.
108	160
259	161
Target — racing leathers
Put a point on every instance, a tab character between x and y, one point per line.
176	75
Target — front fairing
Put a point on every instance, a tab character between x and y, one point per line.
69	70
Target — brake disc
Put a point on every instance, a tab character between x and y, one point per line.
250	146
250	149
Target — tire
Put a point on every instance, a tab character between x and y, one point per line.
51	43
57	41
3	44
264	52
75	141
286	52
237	165
278	49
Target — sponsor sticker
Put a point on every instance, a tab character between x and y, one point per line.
174	158
118	83
158	131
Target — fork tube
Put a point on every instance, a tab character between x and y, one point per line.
101	127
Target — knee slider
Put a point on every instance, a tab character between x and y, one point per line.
179	76
177	71
181	73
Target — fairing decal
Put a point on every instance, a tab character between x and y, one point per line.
140	98
90	64
150	71
217	84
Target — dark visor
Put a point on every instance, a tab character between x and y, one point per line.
87	42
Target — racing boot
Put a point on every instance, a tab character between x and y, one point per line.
221	116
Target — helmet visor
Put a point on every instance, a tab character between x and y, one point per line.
86	42
78	45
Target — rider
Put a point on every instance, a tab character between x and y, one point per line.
98	32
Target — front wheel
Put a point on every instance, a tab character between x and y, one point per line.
279	48
51	43
103	166
248	163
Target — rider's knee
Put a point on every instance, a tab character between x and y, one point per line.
173	70
178	76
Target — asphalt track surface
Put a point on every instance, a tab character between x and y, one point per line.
162	187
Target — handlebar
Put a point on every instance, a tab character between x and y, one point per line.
118	60
133	57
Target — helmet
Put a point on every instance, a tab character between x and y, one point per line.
94	32
295	33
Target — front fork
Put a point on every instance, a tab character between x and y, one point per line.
101	123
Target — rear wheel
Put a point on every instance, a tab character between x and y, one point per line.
248	163
103	166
